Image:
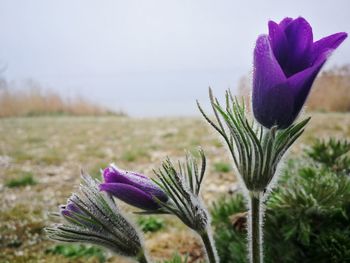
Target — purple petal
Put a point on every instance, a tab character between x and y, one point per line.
271	97
275	107
300	40
278	42
74	214
69	210
66	213
148	186
109	175
131	195
277	100
267	71
285	22
72	207
301	82
327	43
115	175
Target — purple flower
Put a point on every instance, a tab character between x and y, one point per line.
286	63
69	210
72	212
132	188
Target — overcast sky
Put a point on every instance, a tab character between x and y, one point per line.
148	57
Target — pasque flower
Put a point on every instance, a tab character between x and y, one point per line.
92	217
286	63
132	188
182	183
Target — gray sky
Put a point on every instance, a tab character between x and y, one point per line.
148	57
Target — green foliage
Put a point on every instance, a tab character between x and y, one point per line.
182	185
222	167
332	153
307	215
75	251
231	244
177	259
256	151
25	179
150	223
225	207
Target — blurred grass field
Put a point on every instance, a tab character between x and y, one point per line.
41	158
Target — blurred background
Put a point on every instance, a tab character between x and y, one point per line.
147	58
85	83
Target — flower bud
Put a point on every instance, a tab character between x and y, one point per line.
132	188
286	63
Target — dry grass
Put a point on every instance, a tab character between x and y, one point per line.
331	91
33	100
52	150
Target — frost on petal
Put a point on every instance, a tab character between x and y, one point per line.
278	42
267	75
141	182
148	186
267	71
130	195
113	175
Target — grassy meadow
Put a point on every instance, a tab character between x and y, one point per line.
41	158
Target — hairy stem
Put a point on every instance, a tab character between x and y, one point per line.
209	246
142	258
255	227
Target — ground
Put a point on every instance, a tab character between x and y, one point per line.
41	158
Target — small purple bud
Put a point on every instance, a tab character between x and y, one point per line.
70	211
286	63
132	188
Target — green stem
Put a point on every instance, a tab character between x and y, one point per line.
209	246
255	229
142	258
